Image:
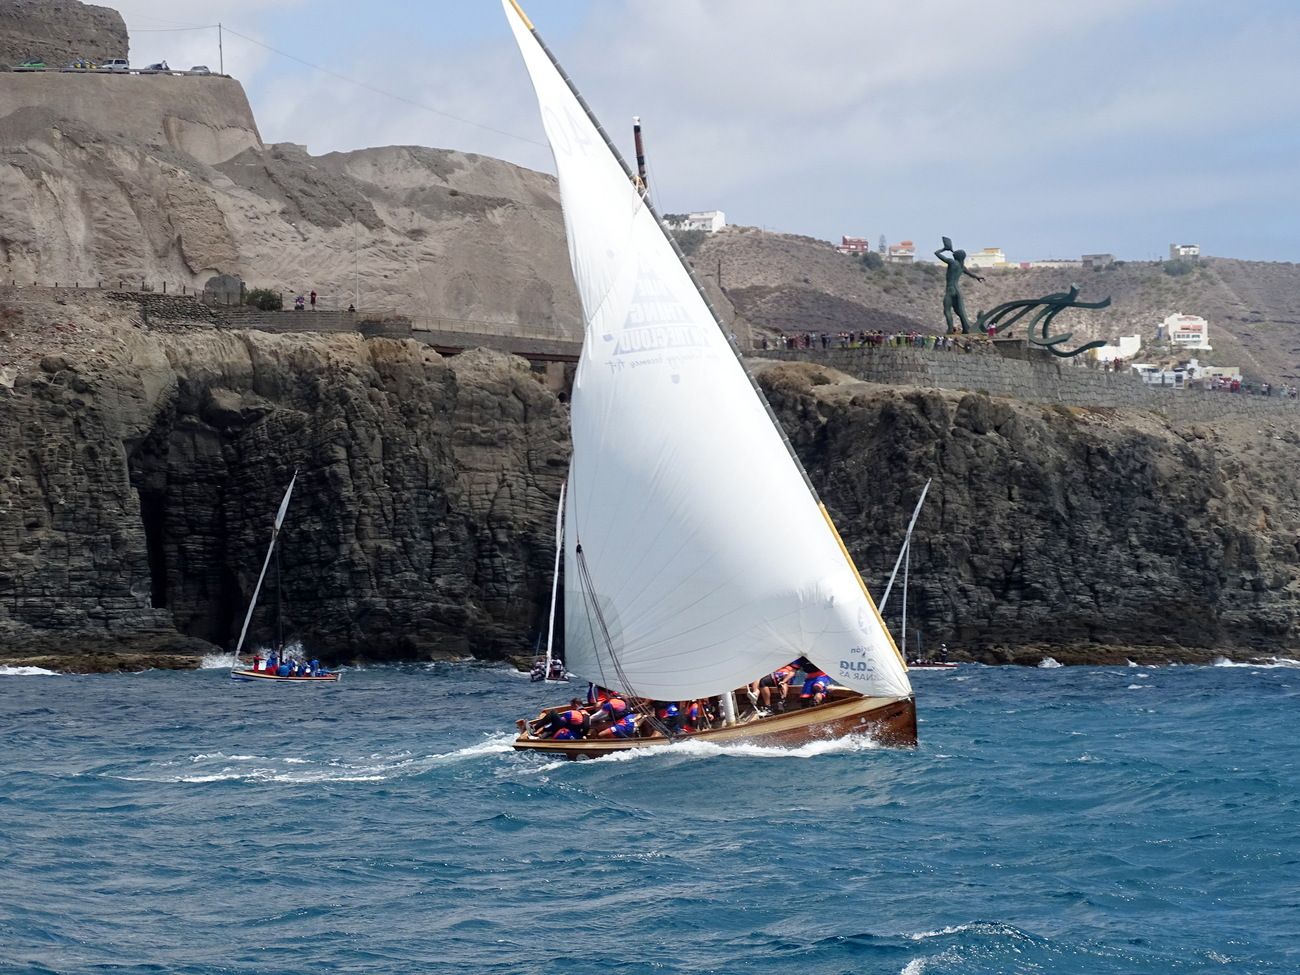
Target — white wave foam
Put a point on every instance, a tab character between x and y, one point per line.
1268	663
304	771
7	671
1129	663
1139	687
1048	663
217	661
915	967
708	749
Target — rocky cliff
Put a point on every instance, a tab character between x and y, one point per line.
59	32
144	463
1058	529
165	180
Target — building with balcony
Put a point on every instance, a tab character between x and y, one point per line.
1189	251
853	245
1189	331
988	257
710	221
904	252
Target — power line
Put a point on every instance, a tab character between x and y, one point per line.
167	30
386	94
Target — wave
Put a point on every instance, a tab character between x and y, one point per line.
217	661
7	671
305	771
708	749
1267	663
1048	663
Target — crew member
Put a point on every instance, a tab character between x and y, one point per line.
816	685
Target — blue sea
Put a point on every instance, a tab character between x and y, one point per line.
1065	820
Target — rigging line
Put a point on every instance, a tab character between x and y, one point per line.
388	94
639	703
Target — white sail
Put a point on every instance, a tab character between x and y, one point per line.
275	534
696	558
555	581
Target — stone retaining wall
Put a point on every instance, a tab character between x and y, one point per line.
1009	368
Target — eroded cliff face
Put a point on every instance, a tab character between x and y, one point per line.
1054	527
165	180
59	31
145	465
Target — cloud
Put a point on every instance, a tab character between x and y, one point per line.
850	116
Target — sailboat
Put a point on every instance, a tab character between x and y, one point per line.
918	662
697	553
549	669
275	669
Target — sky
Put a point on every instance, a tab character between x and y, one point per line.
1048	129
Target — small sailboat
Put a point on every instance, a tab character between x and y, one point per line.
919	661
276	667
549	669
697	555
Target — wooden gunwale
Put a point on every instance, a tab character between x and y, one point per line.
892	720
262	675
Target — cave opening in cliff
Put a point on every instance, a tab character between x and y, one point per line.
153	514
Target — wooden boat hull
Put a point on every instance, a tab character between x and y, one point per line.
263	675
890	720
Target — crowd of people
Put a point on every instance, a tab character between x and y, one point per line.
1229	384
285	666
863	339
609	714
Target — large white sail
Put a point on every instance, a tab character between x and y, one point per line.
696	558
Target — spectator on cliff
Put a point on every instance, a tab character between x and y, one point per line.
299	303
313	301
352	309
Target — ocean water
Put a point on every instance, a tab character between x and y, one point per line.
1063	820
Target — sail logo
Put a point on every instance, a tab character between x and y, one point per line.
656	320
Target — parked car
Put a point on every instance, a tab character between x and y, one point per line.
199	69
81	64
116	65
159	68
31	64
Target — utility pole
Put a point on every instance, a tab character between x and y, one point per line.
221	51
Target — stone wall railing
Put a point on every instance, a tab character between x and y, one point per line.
1009	368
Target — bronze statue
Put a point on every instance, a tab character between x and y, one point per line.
1001	318
952	299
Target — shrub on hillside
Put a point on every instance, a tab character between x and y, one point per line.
265	299
1177	268
689	240
872	261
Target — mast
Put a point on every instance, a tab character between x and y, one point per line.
642	184
555	576
907	564
275	533
907	541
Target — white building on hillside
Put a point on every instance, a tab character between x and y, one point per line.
1125	349
988	257
1189	331
1184	250
710	221
1197	371
904	252
1051	262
